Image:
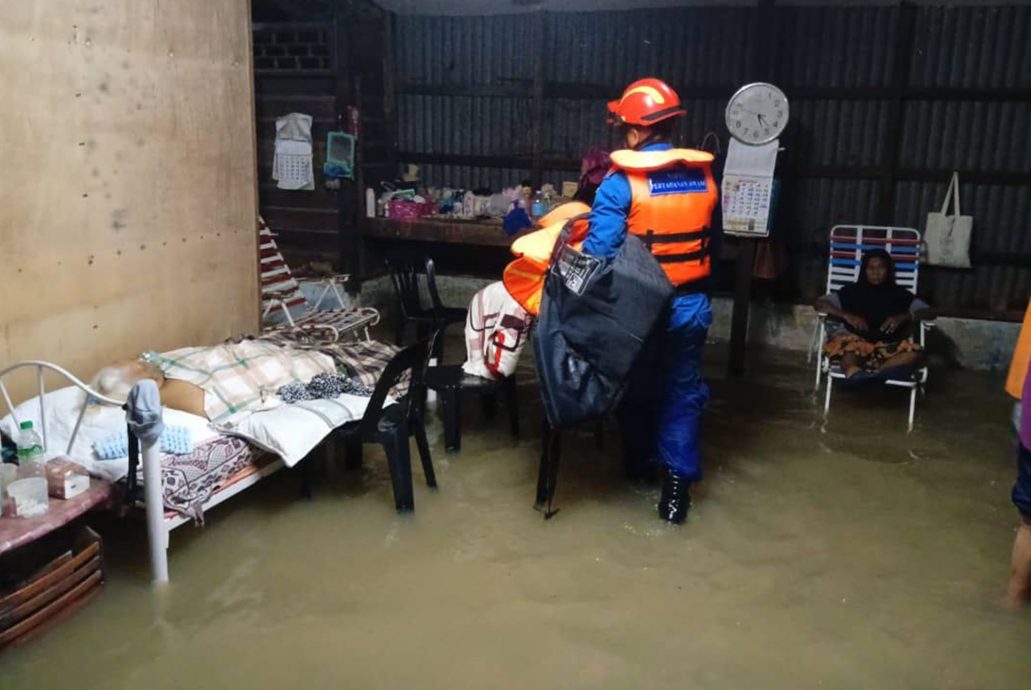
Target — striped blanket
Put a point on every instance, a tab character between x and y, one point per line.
242	377
363	360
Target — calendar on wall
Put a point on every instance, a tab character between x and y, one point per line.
747	190
746	205
292	162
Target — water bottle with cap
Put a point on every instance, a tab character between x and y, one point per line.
539	207
28	491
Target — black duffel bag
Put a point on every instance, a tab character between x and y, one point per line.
595	319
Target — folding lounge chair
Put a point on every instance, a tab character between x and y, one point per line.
847	244
280	290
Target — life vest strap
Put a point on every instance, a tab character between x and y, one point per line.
651	237
680	258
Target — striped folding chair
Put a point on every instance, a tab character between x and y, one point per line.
847	244
280	290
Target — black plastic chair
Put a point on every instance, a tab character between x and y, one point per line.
445	314
451	382
547	470
393	425
428	319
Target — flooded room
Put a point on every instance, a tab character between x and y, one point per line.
515	344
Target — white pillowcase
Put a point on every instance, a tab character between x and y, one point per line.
62	409
292	431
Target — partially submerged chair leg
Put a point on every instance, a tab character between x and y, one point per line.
512	400
423	444
816	346
307	476
352	452
399	458
827	400
547	473
451	402
912	407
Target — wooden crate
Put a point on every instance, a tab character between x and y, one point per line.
71	575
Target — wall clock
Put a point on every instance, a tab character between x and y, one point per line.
757	113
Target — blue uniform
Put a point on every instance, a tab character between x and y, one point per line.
665	419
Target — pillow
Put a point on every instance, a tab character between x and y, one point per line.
62	410
292	431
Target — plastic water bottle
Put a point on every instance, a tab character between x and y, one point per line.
29	489
539	205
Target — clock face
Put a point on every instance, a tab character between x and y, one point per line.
757	113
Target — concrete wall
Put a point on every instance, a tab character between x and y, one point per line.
127	191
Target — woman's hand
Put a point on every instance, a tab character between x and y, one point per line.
893	323
855	321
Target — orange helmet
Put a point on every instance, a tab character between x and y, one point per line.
644	103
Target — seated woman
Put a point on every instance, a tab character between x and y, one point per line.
878	316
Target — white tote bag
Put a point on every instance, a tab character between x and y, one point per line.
947	237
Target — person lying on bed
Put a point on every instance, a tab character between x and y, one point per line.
116	380
878	317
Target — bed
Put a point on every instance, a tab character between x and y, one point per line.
225	460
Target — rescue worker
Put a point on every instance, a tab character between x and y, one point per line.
665	196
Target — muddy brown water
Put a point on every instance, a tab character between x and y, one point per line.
845	555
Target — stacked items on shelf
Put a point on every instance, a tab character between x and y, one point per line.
517	205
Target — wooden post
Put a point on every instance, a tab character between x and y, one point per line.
761	69
538	99
344	95
904	29
742	294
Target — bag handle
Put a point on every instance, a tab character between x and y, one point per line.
714	137
952	194
563	237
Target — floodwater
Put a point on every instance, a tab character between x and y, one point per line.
851	556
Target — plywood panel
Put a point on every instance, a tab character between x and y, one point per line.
127	188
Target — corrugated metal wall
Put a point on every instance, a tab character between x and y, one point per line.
465	88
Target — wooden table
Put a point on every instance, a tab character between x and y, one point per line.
484	233
17	532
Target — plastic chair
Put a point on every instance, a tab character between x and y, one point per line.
847	245
405	275
447	315
280	290
547	468
450	382
393	425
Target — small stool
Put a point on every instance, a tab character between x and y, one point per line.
450	381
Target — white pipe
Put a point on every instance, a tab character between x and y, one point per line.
336	291
60	370
78	423
156	531
322	296
42	407
7	399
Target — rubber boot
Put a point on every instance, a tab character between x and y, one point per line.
675	500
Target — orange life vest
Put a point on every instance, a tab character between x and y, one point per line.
1020	363
673	197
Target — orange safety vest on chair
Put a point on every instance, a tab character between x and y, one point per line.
673	197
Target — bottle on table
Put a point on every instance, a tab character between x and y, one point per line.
539	205
28	492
